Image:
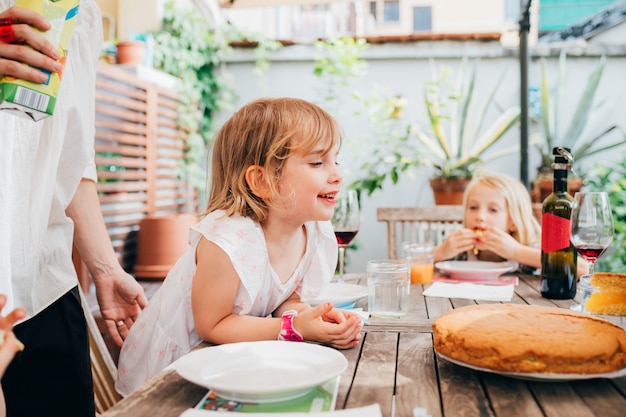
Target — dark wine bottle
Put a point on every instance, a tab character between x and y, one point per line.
558	254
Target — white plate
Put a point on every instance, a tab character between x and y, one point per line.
475	270
264	371
537	376
341	295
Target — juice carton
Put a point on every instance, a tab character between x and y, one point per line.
36	101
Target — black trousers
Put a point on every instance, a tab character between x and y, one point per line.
52	375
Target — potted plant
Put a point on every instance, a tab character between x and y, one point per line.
455	142
574	133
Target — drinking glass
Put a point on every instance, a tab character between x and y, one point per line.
591	232
345	222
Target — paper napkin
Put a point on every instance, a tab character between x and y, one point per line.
366	411
470	291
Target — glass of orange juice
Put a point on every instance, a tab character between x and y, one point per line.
420	257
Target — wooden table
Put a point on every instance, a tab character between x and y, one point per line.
396	363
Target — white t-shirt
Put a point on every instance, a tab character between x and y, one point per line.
165	330
41	166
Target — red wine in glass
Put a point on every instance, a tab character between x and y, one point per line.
591	233
346	219
591	252
344	237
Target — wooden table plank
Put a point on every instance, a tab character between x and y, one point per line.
509	397
376	371
436	306
345	381
602	397
416	377
166	395
461	391
560	399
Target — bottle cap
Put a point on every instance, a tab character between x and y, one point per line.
562	155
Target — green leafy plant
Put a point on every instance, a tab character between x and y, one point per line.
337	64
395	149
574	133
455	142
611	177
188	47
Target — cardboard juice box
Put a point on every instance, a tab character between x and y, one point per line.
36	101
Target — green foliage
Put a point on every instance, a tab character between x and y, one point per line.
188	47
454	140
611	177
263	46
338	63
395	149
575	132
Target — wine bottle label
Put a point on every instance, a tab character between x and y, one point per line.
554	233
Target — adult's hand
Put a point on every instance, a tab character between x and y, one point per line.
29	47
121	298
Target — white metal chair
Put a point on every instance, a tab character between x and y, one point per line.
418	224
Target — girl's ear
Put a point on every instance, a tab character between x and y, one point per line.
255	177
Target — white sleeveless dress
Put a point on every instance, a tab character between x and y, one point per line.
165	330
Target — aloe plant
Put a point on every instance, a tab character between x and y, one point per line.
455	141
573	134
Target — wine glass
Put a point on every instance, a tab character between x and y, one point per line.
591	232
345	223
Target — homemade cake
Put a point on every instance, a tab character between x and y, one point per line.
523	338
609	297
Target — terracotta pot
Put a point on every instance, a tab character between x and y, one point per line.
131	52
160	242
449	191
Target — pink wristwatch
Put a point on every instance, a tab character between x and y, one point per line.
287	331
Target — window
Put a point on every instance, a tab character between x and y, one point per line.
373	9
422	19
391	11
513	9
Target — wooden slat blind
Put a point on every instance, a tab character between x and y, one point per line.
139	147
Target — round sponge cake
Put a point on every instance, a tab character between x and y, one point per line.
523	338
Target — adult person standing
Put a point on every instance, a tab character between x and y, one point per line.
48	201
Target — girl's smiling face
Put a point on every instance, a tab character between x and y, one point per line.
486	207
309	184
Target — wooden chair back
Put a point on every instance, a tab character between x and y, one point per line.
103	368
418	224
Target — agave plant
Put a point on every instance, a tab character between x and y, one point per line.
456	143
575	133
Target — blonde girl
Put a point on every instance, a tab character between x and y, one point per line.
264	247
498	224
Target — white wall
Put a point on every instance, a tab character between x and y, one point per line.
403	68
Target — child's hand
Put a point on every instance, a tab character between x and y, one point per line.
458	241
499	242
9	343
326	324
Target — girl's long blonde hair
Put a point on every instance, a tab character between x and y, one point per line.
517	198
264	133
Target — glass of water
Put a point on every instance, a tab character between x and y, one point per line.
388	283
